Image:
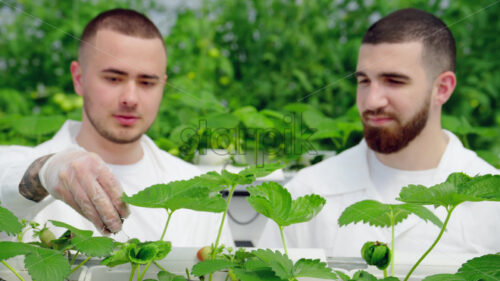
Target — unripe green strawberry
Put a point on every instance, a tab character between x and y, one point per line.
376	253
46	237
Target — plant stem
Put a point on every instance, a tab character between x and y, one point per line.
80	265
166	224
134	267
392	243
229	196
143	272
433	244
159	266
13	270
385	273
283	239
74	258
214	250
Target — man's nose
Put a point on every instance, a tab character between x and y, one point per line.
376	97
129	96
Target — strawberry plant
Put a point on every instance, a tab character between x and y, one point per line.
457	189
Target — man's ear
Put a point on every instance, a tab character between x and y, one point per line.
445	85
76	74
165	78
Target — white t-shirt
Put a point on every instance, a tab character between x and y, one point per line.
186	229
388	181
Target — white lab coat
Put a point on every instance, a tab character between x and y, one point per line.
474	228
187	228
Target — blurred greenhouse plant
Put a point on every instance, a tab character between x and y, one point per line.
246	65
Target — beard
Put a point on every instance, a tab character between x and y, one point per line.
392	139
106	132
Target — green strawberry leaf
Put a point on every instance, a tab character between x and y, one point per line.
362	275
9	222
444	277
45	264
12	249
279	263
484	268
163	248
261	170
76	231
275	202
210	266
142	254
167	276
457	188
313	268
93	246
378	214
342	276
178	195
259	275
119	256
84	242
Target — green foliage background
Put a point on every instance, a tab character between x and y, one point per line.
244	64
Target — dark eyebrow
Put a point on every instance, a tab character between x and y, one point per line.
359	73
395	75
115	71
119	72
146	76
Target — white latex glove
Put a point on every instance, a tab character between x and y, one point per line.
83	181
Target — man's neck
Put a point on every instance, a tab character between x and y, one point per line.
110	152
422	153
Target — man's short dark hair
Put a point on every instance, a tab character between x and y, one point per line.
408	25
124	21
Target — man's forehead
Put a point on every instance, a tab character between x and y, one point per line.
390	57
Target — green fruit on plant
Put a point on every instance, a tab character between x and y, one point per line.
46	237
376	253
204	253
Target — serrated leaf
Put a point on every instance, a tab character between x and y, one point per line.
379	214
260	275
342	275
261	170
280	264
390	278
271	200
362	275
368	211
9	222
444	277
83	233
210	266
484	268
275	202
119	256
11	249
313	268
142	255
164	247
178	195
167	276
93	246
234	179
44	264
458	188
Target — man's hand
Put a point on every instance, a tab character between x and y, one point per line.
84	182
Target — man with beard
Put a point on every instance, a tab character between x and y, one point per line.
405	73
79	176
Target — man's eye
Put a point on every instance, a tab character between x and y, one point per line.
147	83
112	79
363	81
395	82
